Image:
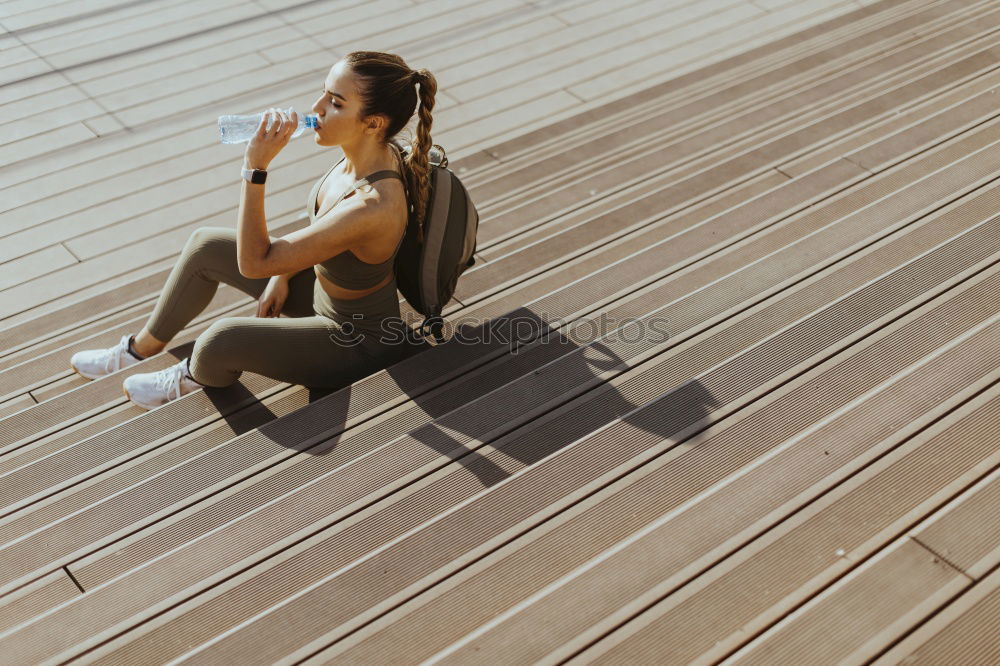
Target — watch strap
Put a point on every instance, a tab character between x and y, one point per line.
254	175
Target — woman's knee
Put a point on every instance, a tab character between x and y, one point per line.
223	334
217	358
211	241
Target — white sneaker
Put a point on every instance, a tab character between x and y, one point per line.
94	363
150	390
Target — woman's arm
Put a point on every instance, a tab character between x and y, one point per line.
252	240
285	277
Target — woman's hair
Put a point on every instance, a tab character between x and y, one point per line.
388	87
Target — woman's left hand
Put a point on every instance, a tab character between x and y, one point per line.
268	141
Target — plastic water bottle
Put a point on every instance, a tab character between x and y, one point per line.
236	129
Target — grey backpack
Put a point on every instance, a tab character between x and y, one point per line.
427	273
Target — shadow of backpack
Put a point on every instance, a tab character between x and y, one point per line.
427	273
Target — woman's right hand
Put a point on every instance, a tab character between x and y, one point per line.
271	301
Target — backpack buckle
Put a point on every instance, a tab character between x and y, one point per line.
436	325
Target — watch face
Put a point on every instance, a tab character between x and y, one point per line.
258	176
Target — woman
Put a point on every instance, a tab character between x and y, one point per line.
334	278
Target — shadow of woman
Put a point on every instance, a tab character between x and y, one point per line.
539	387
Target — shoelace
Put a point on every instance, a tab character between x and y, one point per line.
169	380
114	362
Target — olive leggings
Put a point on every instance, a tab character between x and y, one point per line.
323	342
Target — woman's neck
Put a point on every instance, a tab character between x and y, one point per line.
367	159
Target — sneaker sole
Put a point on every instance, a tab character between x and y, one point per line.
83	375
137	404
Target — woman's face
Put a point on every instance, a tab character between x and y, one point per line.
338	107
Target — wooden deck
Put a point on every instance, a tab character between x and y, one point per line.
721	388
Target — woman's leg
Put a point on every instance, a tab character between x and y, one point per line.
312	351
208	258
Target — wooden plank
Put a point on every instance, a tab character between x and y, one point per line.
368	26
42	83
76	194
37	597
46	99
764	76
967	532
608	203
103	76
43	345
196	96
866	146
42	373
862	611
537	66
173	18
39	144
151	212
452	151
202	100
8	407
604	179
22	331
699	53
14	53
588	10
89	398
129	257
556	48
801	189
144	92
238	41
22	270
140	286
962	633
16	72
712	74
15	7
692	54
667	200
67	18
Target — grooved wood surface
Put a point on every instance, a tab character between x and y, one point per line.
722	386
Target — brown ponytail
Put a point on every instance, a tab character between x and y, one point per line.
418	163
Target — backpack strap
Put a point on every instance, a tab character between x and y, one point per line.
368	180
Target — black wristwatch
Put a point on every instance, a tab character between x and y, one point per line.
254	175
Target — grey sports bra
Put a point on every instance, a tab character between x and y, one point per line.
345	269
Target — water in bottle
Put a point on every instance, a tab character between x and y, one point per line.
236	129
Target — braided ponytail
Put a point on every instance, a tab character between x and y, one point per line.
418	163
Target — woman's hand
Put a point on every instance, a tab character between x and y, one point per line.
271	301
268	141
